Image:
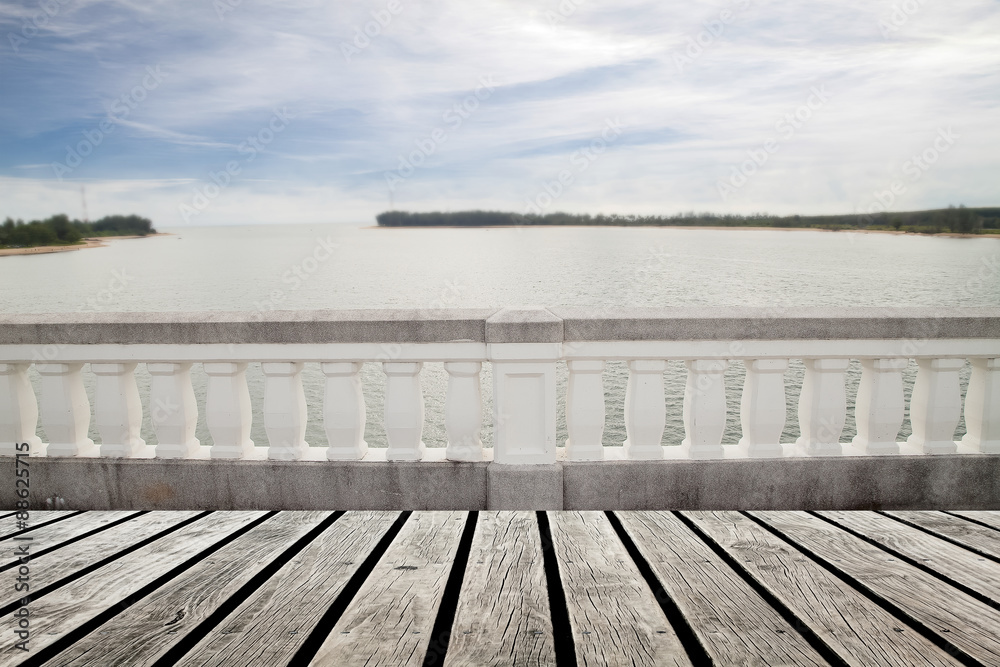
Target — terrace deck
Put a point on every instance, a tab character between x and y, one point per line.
503	588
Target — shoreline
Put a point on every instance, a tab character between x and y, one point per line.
713	227
88	242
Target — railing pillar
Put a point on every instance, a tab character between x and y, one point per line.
463	411
822	407
585	410
118	410
404	410
880	405
284	411
173	410
344	415
936	405
18	410
227	410
524	402
982	407
645	409
65	410
704	408
763	408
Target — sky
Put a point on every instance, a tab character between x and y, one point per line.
215	112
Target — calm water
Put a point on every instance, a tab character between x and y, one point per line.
337	266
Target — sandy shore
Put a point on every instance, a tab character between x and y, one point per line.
94	242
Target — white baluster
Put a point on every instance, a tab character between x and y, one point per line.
704	408
404	410
65	410
463	411
936	405
344	411
763	407
880	405
284	411
822	407
173	410
982	407
227	410
585	410
645	409
118	410
18	411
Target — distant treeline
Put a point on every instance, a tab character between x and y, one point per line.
60	230
951	219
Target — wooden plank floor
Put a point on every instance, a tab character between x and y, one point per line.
501	588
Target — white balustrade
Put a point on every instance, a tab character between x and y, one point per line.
982	407
118	410
404	411
284	411
936	405
463	411
227	410
65	410
173	410
524	397
18	411
704	408
880	406
344	411
763	408
585	410
822	407
645	409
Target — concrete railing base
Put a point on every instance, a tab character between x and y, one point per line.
970	482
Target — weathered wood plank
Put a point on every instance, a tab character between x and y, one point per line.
271	625
144	632
503	609
856	629
68	607
615	617
957	618
733	623
990	518
53	566
390	620
53	534
958	564
972	535
9	525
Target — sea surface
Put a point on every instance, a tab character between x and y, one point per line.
279	267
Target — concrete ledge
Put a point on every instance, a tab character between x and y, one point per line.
826	323
156	484
526	325
524	487
891	482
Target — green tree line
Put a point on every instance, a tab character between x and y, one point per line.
60	230
952	219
